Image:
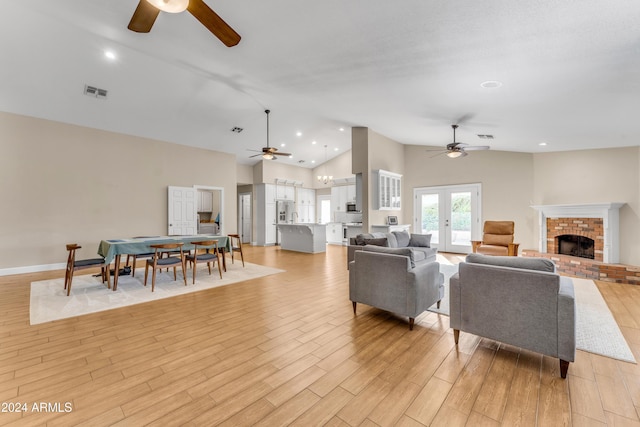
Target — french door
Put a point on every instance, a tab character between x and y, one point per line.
451	214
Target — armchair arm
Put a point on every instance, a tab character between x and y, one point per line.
513	249
475	244
423	283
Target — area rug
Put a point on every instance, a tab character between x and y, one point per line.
596	329
49	300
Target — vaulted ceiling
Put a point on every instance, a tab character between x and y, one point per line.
568	73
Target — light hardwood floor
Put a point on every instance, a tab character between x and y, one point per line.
287	349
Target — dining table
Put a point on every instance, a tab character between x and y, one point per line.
113	249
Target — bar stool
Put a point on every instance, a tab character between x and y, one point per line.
82	264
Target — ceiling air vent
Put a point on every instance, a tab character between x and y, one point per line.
236	129
95	92
485	136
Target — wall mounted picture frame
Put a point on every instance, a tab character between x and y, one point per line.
392	220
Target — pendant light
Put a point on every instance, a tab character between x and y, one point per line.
325	178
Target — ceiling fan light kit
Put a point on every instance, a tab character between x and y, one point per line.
171	6
148	10
459	149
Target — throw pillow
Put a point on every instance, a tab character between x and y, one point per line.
376	242
360	238
539	264
420	240
403	238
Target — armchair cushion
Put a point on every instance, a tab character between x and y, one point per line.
394	251
497	239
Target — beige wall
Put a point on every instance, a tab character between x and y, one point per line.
594	176
244	174
61	183
272	170
506	179
338	167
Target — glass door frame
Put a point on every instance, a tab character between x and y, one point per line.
444	192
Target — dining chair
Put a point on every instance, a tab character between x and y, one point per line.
135	257
210	256
82	264
236	246
160	262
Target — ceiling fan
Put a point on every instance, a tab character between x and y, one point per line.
269	153
148	10
459	149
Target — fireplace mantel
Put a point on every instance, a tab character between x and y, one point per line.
609	212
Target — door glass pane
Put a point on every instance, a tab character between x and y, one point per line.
430	217
461	218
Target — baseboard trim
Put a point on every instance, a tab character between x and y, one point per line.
32	269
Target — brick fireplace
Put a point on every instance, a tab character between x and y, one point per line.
583	241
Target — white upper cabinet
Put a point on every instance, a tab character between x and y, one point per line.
389	190
285	192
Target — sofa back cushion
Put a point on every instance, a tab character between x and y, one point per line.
380	241
539	264
402	238
420	240
395	251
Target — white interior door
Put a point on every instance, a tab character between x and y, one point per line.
245	217
451	214
183	214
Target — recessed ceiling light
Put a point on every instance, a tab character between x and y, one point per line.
542	144
313	161
109	54
313	142
298	133
341	129
336	149
283	145
491	84
291	156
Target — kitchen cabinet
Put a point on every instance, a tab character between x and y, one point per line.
340	195
205	201
266	215
285	192
389	190
334	233
306	205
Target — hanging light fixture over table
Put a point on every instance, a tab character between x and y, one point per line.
325	178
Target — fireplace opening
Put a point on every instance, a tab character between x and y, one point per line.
580	246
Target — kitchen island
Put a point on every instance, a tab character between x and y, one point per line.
303	237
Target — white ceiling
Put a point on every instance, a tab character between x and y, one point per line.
570	72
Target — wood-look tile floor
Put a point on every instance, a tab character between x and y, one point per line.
287	350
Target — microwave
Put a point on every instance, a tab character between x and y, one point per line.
351	207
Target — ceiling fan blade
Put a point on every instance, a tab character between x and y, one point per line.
281	154
439	154
213	22
144	17
255	155
476	147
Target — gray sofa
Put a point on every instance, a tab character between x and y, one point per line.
419	244
518	301
393	282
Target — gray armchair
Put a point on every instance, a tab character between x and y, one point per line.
518	301
388	279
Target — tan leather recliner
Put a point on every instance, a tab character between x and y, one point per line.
497	239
